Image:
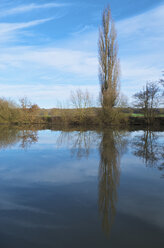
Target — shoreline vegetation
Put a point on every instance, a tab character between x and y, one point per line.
11	114
27	114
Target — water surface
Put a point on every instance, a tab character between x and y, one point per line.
81	188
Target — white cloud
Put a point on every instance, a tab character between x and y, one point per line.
141	40
8	27
9	31
64	60
149	22
72	61
31	7
137	71
46	95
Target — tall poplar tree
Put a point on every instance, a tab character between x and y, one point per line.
109	69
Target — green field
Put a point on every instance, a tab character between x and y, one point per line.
137	115
141	115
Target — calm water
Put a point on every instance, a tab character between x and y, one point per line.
81	189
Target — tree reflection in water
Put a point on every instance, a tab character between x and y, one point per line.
111	145
147	147
27	138
11	136
79	142
8	137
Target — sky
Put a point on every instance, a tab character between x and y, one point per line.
49	48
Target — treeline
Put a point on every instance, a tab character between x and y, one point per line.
79	115
13	113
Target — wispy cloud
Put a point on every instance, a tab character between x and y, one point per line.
141	40
46	95
31	7
64	60
8	27
8	31
151	22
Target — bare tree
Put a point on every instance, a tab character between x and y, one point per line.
25	103
161	81
81	102
81	99
109	69
123	101
147	100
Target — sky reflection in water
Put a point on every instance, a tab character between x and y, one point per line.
76	188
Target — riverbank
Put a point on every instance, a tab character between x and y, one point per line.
90	123
89	117
93	121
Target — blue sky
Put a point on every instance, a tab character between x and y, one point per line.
49	48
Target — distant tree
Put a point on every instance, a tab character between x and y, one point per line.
25	103
34	108
147	100
80	99
161	81
123	101
8	111
81	102
109	69
29	111
33	112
